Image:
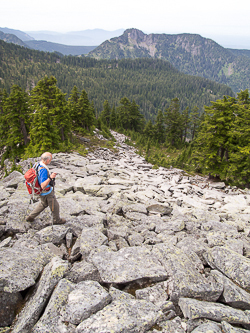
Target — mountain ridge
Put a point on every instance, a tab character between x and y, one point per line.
189	53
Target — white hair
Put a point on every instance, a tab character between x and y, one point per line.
45	157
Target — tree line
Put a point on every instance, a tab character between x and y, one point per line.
151	83
216	142
44	119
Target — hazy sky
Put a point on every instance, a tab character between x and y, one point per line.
207	18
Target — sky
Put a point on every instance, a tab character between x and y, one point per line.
228	19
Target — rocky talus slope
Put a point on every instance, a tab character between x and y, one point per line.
143	250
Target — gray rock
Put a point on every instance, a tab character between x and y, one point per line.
194	309
232	294
52	274
227	328
91	238
207	328
231	264
82	271
156	294
12	180
55	234
175	325
50	321
135	239
69	207
20	267
184	280
126	265
9	303
122	316
6	242
161	209
136	207
114	233
87	298
117	294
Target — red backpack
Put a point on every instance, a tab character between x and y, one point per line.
31	177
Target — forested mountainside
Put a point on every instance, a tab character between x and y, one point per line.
240	52
10	38
189	53
152	83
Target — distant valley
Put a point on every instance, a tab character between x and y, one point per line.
190	53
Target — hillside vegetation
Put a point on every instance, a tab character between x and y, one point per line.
152	83
189	53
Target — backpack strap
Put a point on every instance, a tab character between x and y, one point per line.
38	168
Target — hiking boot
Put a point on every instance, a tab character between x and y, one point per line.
61	221
29	219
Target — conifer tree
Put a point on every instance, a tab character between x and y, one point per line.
137	120
85	116
149	130
159	127
16	119
173	122
106	113
113	118
195	121
3	122
185	123
214	140
124	113
73	106
49	116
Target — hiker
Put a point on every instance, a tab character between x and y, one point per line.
47	197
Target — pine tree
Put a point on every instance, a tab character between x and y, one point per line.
124	113
3	123
49	116
73	106
173	122
159	127
16	119
185	123
113	118
106	113
149	130
214	141
137	120
195	121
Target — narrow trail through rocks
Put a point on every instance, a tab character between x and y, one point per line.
142	250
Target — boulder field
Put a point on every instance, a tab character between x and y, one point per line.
142	250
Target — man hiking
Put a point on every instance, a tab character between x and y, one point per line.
47	197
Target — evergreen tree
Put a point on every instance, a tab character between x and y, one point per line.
85	116
73	106
185	123
173	122
124	113
159	127
195	121
113	118
136	118
16	119
149	130
215	141
3	123
106	113
49	117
